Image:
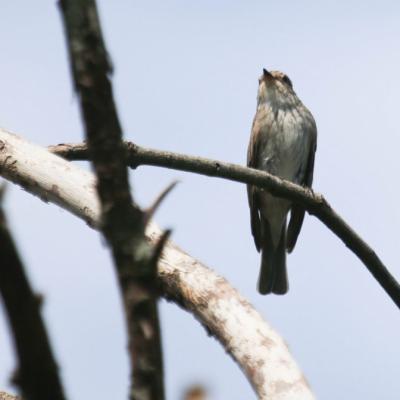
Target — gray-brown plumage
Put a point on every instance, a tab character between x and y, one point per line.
283	142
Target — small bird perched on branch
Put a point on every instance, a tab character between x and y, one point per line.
283	142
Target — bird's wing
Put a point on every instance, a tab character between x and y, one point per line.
297	211
252	162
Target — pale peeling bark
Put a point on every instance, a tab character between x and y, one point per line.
6	396
260	352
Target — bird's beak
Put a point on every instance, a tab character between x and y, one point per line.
266	73
266	77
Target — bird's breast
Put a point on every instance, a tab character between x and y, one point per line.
284	150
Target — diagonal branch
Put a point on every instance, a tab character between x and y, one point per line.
314	203
253	344
123	223
37	375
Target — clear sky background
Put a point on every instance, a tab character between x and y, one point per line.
186	80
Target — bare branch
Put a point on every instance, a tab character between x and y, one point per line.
253	344
314	203
37	374
123	223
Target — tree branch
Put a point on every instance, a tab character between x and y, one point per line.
314	203
123	223
253	344
37	374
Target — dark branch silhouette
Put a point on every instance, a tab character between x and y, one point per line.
123	223
37	372
314	203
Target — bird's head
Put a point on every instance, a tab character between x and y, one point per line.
275	88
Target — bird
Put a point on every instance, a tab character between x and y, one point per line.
283	142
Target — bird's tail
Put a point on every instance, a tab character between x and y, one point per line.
273	275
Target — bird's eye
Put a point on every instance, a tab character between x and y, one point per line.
286	79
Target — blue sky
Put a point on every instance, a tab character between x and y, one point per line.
186	80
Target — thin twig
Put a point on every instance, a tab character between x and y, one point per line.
122	221
156	203
37	374
314	203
